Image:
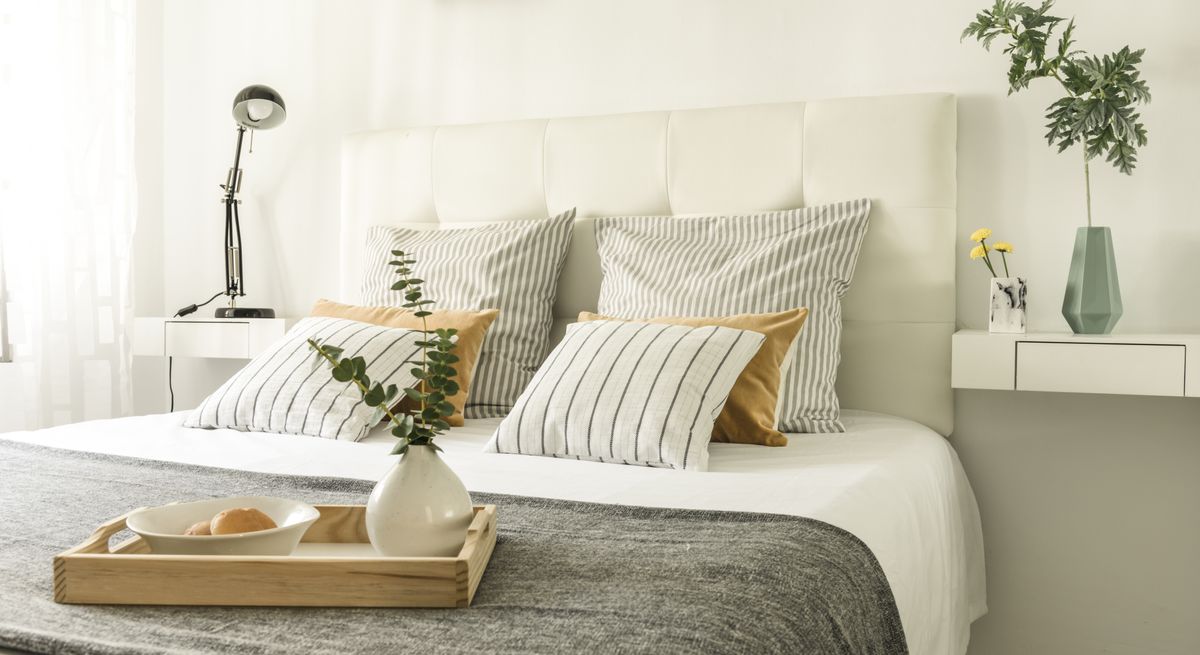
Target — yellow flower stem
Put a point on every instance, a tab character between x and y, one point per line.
987	259
1004	259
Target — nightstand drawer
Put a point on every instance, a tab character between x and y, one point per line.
207	339
1133	369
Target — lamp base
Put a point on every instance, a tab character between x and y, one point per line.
244	312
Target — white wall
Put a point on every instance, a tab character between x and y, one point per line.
1061	480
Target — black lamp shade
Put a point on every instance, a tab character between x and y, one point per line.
259	107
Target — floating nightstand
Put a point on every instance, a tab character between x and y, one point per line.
1128	364
233	338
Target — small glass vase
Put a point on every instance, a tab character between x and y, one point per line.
1006	305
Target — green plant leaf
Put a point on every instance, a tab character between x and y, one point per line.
374	397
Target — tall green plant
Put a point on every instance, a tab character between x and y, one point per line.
1098	111
434	371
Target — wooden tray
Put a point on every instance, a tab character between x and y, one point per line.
334	566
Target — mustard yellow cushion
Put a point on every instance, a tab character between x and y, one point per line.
749	413
472	327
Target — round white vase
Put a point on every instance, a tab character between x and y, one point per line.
419	509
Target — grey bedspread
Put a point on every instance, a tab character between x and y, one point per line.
565	576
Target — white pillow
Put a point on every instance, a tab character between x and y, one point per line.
630	393
512	267
748	264
285	390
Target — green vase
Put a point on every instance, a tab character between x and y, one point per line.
1092	303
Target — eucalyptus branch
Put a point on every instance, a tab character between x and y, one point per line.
332	359
434	373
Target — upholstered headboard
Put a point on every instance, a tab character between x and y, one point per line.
897	150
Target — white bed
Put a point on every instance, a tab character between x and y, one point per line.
893	483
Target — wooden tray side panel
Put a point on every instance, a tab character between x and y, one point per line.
130	575
174	580
339	524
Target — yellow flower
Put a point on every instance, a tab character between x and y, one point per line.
979	251
980	234
1002	246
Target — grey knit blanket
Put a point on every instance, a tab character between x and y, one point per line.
565	577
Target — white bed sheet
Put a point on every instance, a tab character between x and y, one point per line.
895	484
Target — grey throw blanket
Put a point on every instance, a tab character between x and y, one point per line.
565	576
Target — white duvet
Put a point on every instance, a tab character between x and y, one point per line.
895	484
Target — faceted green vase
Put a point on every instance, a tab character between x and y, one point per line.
1092	304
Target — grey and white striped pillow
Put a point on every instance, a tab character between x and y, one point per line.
510	266
285	390
631	393
747	264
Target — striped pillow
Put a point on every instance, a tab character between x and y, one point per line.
510	266
286	390
632	393
749	264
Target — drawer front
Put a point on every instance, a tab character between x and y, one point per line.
1133	369
199	339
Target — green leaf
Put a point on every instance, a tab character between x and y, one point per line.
400	448
445	408
414	394
374	397
404	428
344	371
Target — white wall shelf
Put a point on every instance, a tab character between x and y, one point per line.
1127	364
231	338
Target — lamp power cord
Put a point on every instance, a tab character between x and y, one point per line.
183	311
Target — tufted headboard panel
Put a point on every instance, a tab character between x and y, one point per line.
897	150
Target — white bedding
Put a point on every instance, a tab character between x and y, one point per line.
895	484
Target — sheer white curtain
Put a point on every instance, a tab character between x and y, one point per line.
67	207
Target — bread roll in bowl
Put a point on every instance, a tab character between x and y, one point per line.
240	520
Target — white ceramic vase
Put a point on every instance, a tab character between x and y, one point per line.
1006	309
419	509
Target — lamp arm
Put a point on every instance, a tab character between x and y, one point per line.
233	229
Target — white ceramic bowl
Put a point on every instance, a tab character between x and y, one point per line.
163	527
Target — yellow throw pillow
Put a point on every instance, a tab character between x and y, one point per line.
472	327
749	413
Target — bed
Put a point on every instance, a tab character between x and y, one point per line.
891	480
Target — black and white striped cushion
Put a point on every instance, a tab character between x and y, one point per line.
631	393
285	390
749	264
511	266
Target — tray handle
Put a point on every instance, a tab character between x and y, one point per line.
98	542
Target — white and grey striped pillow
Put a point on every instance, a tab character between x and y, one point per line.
511	266
632	393
285	390
748	264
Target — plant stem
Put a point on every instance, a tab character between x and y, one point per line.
424	365
1004	259
1087	183
386	410
987	259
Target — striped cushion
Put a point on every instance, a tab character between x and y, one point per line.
286	390
511	266
750	264
633	393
